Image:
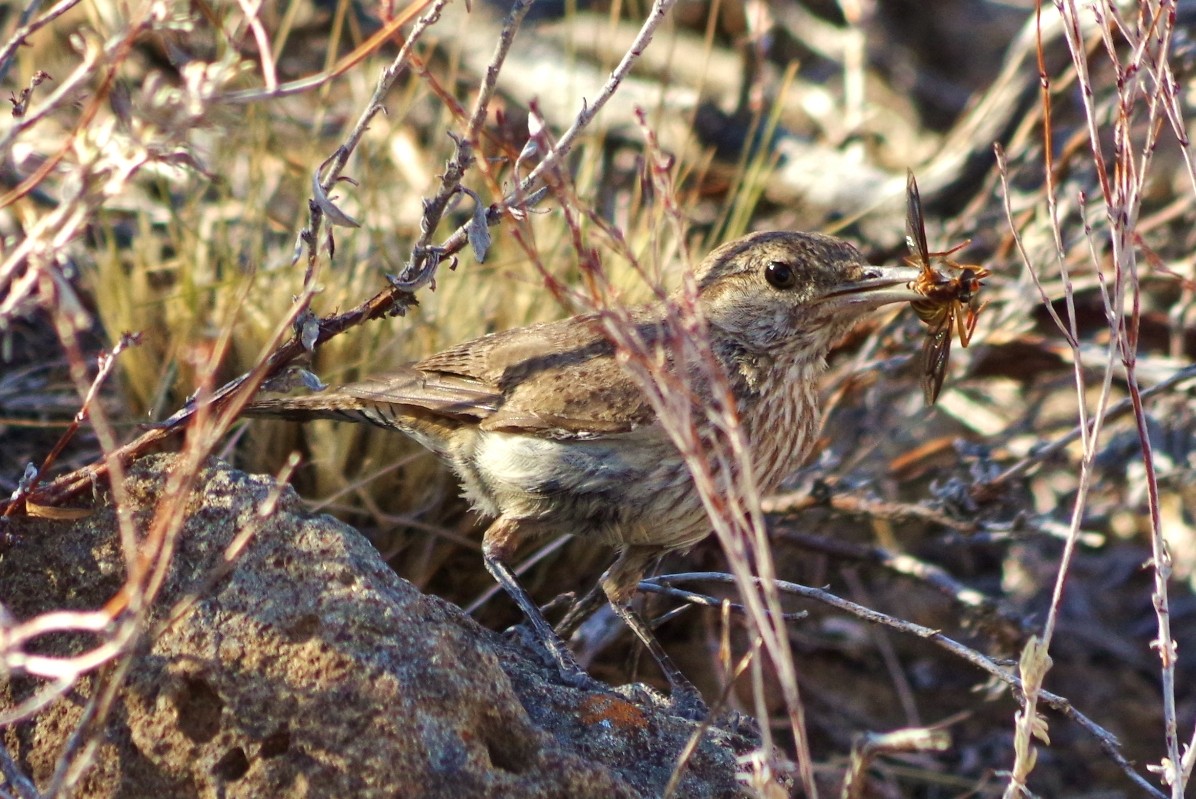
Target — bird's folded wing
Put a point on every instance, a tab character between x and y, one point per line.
458	396
570	400
558	380
557	406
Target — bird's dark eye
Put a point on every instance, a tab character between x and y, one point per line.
780	275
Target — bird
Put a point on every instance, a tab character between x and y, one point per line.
549	433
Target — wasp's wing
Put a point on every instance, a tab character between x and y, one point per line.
915	224
936	350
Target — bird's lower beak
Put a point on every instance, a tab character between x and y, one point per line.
877	286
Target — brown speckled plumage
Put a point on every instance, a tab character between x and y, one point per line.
549	434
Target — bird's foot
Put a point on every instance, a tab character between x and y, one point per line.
556	654
686	702
542	638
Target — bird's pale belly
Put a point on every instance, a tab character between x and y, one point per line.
625	489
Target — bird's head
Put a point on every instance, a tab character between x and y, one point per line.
784	293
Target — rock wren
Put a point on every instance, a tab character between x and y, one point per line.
548	434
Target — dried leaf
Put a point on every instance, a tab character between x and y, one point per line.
335	215
309	333
58	514
310	381
478	229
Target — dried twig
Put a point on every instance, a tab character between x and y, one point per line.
28	27
331	169
868	746
717	453
1146	44
553	159
425	258
1106	739
988	488
106	363
15	778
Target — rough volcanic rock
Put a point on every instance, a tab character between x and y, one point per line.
305	667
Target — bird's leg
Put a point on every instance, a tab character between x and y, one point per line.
619	583
498	543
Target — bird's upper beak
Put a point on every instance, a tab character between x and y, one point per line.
877	286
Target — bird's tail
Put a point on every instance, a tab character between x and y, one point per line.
434	431
326	405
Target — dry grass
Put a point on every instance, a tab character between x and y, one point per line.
157	184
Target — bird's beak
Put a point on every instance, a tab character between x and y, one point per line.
877	286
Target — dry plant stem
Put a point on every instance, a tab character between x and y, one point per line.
656	15
1121	192
60	302
385	81
1027	722
989	487
424	258
701	729
554	158
37	702
15	637
106	362
1152	47
1106	739
720	463
869	746
1168	84
15	779
763	771
265	51
28	28
80	748
749	659
652	586
376	40
309	237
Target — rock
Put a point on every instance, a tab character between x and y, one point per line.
306	667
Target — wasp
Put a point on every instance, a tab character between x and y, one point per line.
951	306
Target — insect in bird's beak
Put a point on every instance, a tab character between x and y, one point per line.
948	303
